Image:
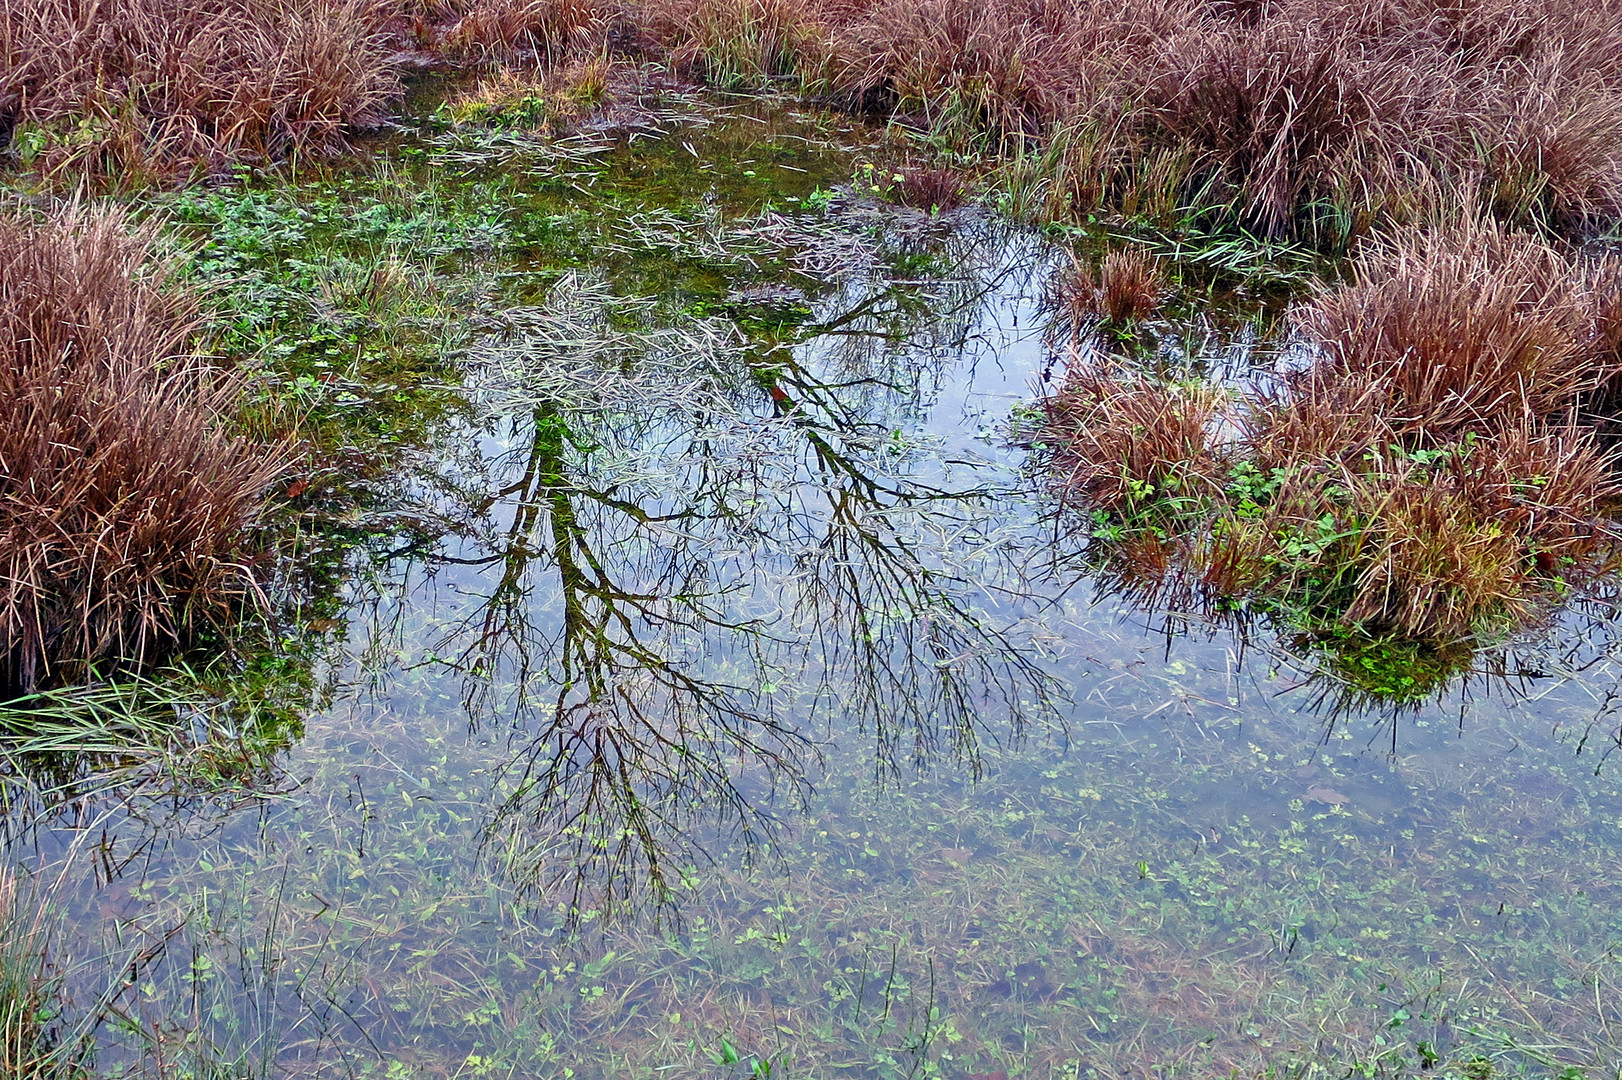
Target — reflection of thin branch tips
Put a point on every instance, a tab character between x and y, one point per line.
693	540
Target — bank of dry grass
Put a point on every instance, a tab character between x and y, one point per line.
126	506
514	32
1294	115
149	86
1317	117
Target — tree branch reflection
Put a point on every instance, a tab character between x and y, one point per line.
688	552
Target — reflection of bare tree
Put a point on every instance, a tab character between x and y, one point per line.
690	551
900	648
632	743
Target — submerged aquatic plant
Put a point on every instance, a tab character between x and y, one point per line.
22	991
30	1046
128	503
44	1035
638	447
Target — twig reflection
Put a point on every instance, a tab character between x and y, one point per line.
692	550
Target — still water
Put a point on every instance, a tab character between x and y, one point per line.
729	696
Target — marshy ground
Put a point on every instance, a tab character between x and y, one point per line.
762	538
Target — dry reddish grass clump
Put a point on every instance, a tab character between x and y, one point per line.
1434	473
1130	286
1317	117
1305	116
997	66
1296	115
1316	418
542	31
1602	331
737	43
1455	327
1126	289
1132	442
936	190
1428	565
144	84
125	507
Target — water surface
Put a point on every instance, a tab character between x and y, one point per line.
722	692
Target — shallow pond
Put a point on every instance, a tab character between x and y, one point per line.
720	692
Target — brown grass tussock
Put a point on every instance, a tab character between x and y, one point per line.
145	86
126	507
1437	472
